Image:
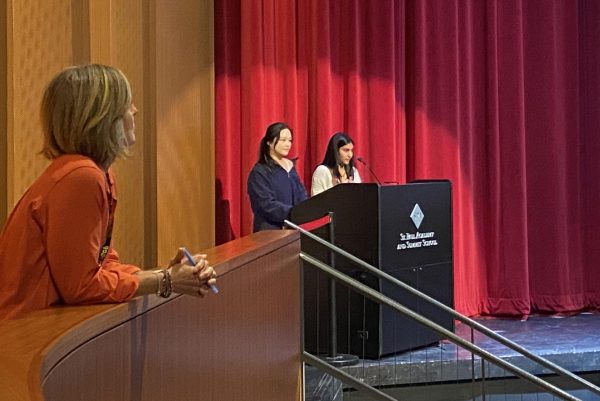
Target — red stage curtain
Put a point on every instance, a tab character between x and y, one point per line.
501	97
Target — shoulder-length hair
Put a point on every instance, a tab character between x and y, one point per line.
332	155
271	137
82	113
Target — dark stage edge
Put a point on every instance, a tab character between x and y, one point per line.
571	342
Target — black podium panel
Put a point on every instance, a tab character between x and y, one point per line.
405	230
402	243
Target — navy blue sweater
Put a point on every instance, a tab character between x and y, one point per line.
273	192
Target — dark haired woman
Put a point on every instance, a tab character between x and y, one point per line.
274	186
337	166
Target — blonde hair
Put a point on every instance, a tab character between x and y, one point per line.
82	113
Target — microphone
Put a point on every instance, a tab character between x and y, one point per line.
360	159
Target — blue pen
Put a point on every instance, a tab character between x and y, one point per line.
192	262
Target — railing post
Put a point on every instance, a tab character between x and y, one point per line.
332	299
334	358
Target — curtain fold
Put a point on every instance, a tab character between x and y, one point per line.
499	96
589	122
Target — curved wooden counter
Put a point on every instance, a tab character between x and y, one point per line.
242	344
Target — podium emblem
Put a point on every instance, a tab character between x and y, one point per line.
417	215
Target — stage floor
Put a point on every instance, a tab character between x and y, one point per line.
572	342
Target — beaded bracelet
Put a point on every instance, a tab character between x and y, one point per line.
166	288
158	281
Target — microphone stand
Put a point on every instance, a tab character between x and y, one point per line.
360	159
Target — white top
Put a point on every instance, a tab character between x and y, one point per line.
322	179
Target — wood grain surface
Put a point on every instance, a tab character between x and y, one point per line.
242	344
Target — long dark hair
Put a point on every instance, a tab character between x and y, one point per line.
272	136
332	155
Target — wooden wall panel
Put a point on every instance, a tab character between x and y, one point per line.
117	39
184	125
3	110
127	53
40	45
80	26
149	144
100	31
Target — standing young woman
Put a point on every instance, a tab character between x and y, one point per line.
337	166
56	245
274	186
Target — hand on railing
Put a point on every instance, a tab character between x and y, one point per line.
191	277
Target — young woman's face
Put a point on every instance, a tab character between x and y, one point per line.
283	146
346	152
129	125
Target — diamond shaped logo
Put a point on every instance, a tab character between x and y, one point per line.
417	215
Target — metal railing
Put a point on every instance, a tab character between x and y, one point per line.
381	299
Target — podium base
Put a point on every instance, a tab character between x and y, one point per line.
340	360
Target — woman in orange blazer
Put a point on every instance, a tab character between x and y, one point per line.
56	245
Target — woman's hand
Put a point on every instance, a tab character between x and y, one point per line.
191	280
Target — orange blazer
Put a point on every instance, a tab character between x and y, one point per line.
50	245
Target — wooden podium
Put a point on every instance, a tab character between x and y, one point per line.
404	230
